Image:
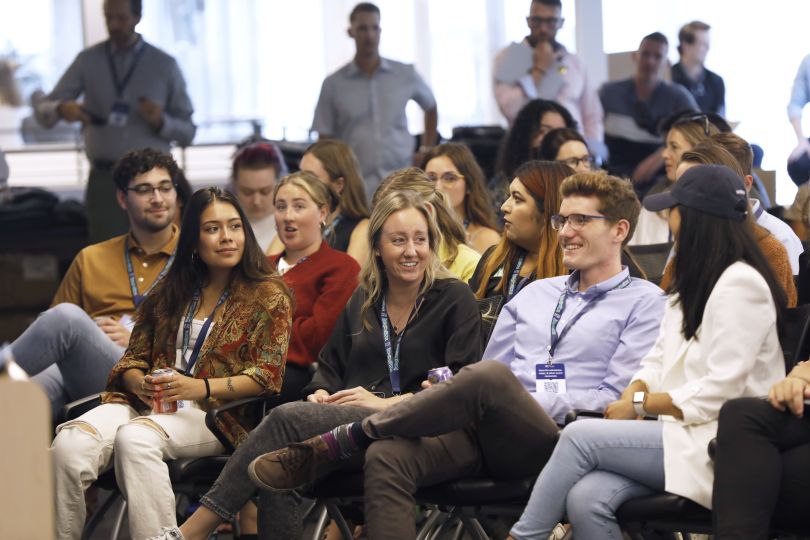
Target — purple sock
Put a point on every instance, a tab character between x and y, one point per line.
346	440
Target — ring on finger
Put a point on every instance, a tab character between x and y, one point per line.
169	386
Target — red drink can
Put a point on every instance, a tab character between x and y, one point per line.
158	405
441	374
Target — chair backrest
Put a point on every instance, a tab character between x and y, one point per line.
795	335
489	308
652	259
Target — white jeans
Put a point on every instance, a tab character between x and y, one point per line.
85	447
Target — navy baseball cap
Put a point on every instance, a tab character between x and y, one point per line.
713	189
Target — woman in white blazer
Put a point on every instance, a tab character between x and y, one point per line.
718	340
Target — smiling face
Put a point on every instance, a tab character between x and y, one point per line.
153	211
404	247
676	145
522	219
298	219
444	172
594	246
222	236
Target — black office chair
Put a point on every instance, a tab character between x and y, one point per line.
652	259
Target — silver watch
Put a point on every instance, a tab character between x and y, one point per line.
638	402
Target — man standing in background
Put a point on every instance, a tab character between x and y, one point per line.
363	103
134	96
706	86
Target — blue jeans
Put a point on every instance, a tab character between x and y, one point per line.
596	466
66	337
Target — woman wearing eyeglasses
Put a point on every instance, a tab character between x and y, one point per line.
217	326
454	169
684	133
567	146
711	348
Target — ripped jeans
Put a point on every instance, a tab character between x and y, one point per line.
87	446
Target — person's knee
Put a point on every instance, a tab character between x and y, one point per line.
491	374
75	448
584	501
137	437
63	315
741	414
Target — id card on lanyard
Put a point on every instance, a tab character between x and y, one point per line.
120	110
192	308
550	376
133	285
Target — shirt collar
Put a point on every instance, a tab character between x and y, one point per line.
115	49
572	284
354	69
167	249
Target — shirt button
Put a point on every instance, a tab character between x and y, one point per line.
145	264
140	280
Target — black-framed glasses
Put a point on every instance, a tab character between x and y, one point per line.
448	177
576	221
697	117
534	21
147	190
575	162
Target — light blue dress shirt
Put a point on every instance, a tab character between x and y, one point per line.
601	351
368	114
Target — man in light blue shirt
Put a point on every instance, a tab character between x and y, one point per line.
363	103
561	343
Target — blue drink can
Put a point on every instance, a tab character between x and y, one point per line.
441	374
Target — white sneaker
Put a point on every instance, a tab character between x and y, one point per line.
168	533
561	532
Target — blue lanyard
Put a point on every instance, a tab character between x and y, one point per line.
759	211
393	356
513	279
332	226
192	308
133	286
121	84
554	339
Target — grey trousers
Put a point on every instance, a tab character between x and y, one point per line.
480	422
279	516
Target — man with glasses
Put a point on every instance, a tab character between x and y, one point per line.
541	67
363	104
133	95
71	348
562	343
635	107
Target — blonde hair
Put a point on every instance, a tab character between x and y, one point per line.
321	194
372	276
451	229
339	161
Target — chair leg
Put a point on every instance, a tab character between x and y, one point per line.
433	517
474	528
323	520
119	520
337	516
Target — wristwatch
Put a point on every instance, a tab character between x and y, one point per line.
638	402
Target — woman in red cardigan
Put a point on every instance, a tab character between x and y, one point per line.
322	279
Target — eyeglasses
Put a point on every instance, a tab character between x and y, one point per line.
448	177
534	22
697	117
147	190
576	221
575	162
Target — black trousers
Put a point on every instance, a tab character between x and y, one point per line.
762	470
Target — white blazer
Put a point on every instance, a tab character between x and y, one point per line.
736	353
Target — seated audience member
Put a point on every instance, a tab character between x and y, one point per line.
71	348
684	133
799	159
456	256
219	322
334	162
535	119
706	86
499	417
634	108
741	151
529	247
256	168
322	279
710	349
710	153
566	146
407	317
454	169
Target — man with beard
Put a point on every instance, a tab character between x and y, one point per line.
133	95
71	347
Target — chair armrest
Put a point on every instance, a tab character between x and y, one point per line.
75	409
262	405
712	448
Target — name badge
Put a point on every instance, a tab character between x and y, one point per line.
119	114
550	378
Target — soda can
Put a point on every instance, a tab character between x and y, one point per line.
158	405
441	374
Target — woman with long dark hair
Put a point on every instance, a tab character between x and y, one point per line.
454	169
217	326
718	341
